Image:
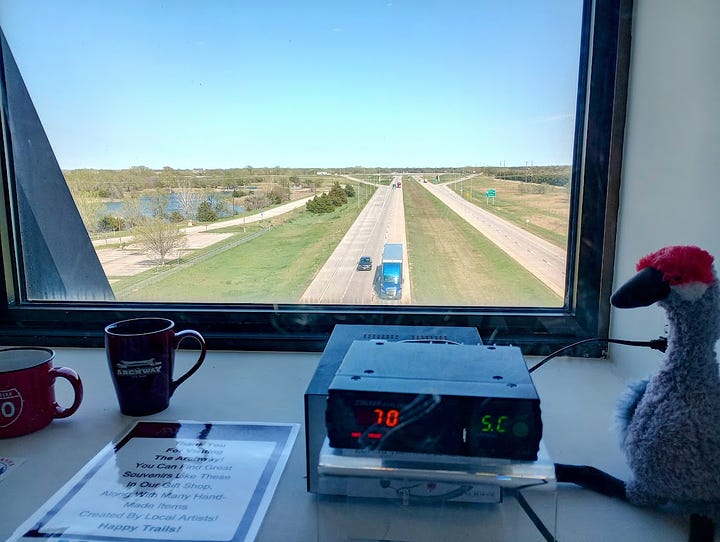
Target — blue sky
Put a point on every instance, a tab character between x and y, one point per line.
220	83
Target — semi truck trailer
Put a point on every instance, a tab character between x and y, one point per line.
392	271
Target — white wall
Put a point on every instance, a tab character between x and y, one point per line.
670	191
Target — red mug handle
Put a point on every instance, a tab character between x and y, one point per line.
72	377
179	336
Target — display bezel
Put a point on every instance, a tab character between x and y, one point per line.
449	425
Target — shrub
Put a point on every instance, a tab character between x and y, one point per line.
206	212
320	204
111	223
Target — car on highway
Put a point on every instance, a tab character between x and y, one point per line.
364	264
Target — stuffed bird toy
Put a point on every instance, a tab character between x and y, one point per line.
670	423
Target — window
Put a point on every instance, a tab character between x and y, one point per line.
140	168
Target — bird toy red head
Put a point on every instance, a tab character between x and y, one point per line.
686	269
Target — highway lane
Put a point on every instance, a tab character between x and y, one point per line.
541	258
338	281
383	221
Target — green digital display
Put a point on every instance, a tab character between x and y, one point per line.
491	423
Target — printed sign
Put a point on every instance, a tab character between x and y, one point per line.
171	481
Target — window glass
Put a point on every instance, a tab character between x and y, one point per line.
311	153
265	171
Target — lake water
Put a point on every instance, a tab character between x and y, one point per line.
147	203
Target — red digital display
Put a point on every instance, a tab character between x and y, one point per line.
375	422
379	417
358	434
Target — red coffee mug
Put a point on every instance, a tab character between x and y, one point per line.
27	392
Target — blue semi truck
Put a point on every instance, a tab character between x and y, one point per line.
392	271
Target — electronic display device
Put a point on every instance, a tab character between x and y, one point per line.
423	414
434	398
340	340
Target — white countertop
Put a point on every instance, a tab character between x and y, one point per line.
578	398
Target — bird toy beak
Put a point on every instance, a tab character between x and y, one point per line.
644	289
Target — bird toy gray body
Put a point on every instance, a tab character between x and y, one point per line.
670	423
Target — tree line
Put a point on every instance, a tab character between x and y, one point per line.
328	201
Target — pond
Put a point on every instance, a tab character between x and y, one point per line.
148	203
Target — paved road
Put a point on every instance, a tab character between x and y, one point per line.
542	259
381	221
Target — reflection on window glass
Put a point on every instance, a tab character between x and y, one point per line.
253	152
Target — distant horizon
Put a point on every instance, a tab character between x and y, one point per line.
403	169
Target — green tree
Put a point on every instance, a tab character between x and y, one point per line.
206	212
111	223
167	177
320	204
337	195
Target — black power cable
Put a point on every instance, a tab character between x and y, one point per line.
656	344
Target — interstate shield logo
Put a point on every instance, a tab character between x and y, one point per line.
11	405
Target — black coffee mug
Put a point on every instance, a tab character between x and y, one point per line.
141	356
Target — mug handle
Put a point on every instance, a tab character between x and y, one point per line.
72	377
179	336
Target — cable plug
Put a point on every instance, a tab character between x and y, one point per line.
659	344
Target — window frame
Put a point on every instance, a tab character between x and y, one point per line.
597	162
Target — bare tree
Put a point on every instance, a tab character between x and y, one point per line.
159	238
187	198
132	211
